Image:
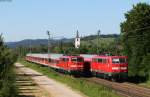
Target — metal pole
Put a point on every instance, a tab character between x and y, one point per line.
48	33
30	46
116	45
98	34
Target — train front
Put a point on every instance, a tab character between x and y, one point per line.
76	64
119	67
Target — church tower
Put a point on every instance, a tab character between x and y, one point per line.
77	40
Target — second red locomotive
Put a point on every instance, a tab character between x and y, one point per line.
110	66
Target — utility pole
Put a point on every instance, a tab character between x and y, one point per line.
48	33
98	35
116	45
30	46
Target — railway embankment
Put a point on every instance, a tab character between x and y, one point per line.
89	89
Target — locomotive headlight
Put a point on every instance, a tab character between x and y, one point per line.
115	68
123	68
73	66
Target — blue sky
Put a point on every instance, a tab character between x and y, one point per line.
30	19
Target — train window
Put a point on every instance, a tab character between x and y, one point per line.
122	60
65	59
99	60
104	60
77	59
80	59
118	60
94	60
74	59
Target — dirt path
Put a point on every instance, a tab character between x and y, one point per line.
55	89
27	87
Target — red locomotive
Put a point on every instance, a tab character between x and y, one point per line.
71	64
114	67
110	66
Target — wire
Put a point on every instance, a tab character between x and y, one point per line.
140	29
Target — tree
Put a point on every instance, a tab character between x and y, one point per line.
7	76
135	33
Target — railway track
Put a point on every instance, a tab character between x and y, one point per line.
124	89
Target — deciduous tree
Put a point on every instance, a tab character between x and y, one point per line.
135	32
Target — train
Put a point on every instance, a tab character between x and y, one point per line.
71	64
108	67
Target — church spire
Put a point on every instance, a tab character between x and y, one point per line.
77	40
77	36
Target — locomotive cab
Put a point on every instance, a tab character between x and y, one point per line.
119	67
71	64
76	62
119	64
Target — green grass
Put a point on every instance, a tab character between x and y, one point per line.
146	84
88	88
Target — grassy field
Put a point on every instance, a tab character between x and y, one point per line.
88	88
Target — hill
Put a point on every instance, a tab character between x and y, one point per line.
36	42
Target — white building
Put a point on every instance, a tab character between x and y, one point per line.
77	40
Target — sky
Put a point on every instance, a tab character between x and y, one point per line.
30	19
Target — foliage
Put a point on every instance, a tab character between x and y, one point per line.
7	76
136	39
91	37
103	45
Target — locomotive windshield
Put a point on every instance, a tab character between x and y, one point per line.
77	59
119	60
65	59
